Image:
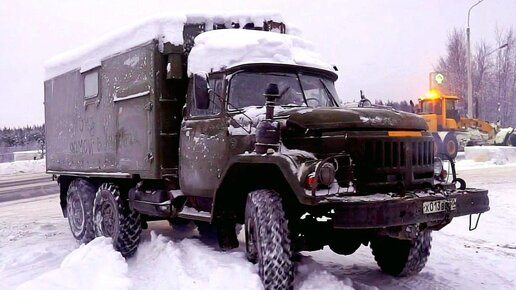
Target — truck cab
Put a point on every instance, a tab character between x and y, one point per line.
225	126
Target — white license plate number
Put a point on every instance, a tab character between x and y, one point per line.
438	206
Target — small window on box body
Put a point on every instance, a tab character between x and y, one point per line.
91	84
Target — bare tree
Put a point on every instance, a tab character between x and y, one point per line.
494	76
505	77
482	66
454	66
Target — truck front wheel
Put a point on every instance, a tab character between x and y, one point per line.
79	209
267	239
402	257
113	218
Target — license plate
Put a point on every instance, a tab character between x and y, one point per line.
438	205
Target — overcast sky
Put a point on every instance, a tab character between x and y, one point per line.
384	47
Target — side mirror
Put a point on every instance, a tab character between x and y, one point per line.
201	94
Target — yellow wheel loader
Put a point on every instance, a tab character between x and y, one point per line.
451	131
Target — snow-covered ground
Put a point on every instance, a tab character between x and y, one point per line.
26	166
38	252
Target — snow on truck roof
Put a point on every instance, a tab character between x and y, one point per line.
166	28
225	48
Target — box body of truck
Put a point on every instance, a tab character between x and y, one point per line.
120	118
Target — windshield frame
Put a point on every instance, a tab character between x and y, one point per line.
298	71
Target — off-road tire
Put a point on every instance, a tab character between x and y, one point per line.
267	239
113	218
402	257
450	145
79	209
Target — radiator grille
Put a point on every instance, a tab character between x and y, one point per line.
422	153
393	154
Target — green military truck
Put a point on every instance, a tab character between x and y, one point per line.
229	120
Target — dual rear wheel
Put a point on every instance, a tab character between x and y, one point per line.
99	212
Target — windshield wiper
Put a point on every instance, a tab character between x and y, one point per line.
328	92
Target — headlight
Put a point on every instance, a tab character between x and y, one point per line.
326	174
438	166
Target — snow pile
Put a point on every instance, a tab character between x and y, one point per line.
166	28
189	264
310	276
92	266
231	47
476	157
162	263
28	166
498	154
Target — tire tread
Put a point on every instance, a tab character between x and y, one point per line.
402	257
275	264
130	226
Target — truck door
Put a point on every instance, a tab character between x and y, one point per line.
203	143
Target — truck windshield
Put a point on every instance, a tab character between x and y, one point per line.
431	107
247	89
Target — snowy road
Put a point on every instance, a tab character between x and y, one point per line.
34	239
26	186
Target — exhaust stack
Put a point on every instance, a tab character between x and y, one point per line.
268	131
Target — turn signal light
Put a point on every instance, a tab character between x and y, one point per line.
311	180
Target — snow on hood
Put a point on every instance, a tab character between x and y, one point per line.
226	48
249	118
164	27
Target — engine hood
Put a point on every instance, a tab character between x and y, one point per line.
353	118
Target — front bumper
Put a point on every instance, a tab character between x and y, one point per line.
383	210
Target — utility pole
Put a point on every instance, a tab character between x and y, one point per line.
470	84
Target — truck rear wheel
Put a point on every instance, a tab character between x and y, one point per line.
267	239
79	209
113	218
402	257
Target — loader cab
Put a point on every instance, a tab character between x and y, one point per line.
439	111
